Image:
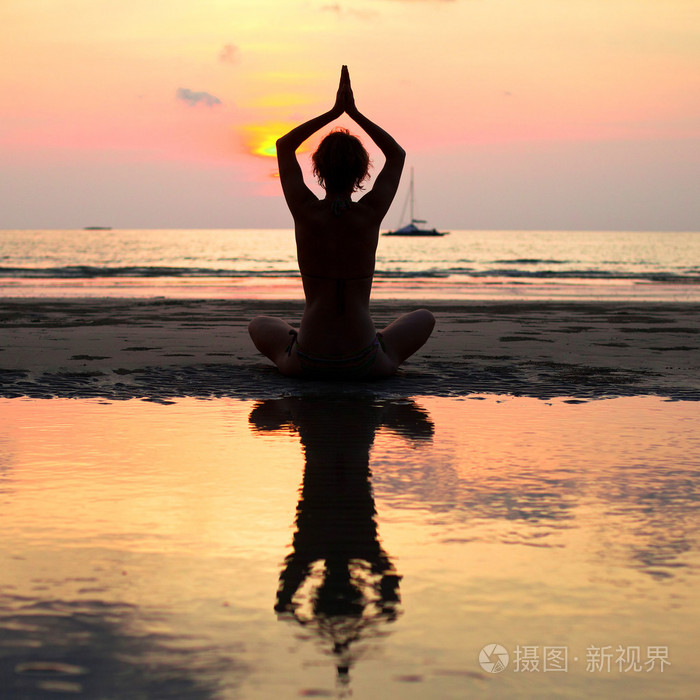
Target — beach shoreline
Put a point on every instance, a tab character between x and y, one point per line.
161	349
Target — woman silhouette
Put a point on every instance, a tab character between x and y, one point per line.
336	241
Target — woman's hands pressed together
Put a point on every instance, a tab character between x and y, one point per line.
344	99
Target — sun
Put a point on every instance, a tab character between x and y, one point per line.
260	139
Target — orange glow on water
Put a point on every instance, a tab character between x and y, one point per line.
506	518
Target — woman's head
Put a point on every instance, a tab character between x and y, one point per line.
341	162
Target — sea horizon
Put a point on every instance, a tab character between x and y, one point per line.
261	263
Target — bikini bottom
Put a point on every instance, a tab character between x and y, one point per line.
358	365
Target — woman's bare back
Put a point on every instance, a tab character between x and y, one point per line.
336	247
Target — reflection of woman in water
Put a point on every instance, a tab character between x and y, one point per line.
338	579
336	246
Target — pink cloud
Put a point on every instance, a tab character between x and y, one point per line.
229	54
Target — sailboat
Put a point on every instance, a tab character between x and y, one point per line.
414	229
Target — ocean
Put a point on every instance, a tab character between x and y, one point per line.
261	263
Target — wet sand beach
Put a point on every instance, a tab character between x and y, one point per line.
163	349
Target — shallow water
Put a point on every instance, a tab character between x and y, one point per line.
318	547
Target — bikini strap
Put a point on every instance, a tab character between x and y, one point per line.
339	205
293	340
344	279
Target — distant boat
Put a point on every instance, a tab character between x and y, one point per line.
97	228
413	229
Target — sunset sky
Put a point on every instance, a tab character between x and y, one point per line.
547	114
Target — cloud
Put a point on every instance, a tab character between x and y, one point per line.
285	100
193	98
229	54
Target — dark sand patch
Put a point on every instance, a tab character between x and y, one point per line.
577	350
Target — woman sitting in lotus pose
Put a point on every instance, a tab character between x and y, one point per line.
336	246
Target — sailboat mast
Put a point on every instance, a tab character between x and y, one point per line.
413	228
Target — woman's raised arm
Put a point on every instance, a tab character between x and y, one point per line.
387	182
296	192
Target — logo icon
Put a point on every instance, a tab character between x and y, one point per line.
493	658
